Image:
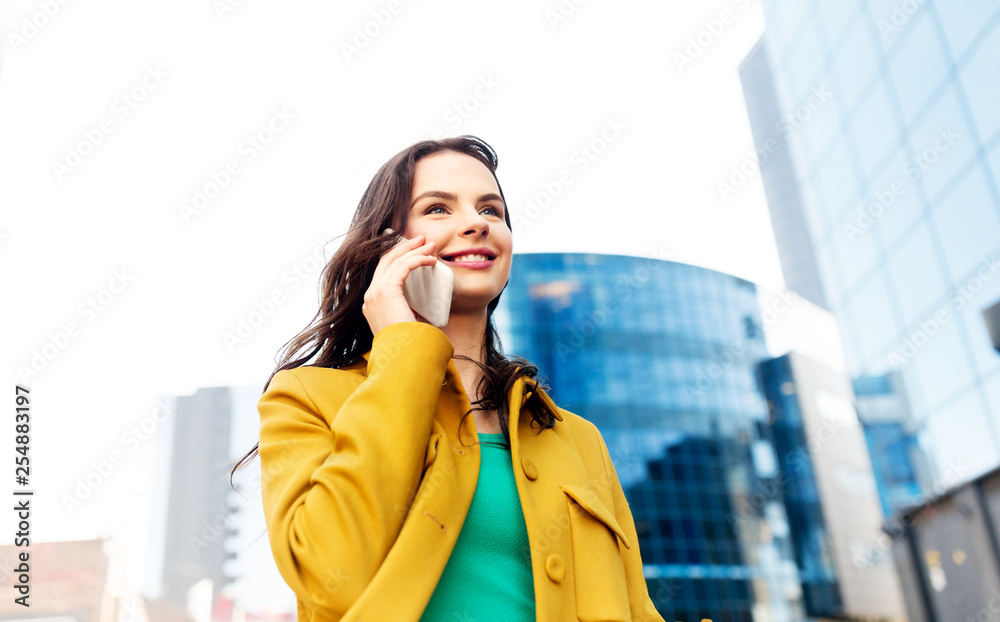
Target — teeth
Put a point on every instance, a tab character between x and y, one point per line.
470	258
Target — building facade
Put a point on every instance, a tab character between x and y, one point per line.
830	496
201	527
192	510
662	357
880	121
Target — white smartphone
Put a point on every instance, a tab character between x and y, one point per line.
428	289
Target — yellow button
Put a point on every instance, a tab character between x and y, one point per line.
555	568
529	469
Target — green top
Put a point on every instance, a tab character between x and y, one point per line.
488	576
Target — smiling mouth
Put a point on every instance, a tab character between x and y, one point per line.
480	261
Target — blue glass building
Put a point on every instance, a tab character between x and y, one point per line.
883	121
662	357
896	456
801	493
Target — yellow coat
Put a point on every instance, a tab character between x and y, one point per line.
366	486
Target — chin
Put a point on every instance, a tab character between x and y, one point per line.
462	299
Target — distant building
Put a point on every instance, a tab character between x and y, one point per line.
209	543
829	492
71	581
84	581
193	513
897	460
947	552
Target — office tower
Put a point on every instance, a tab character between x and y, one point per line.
201	527
662	357
191	514
829	491
883	139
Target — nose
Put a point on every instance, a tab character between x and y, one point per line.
477	225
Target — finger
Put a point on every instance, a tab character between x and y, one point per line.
396	251
410	262
422	250
403	246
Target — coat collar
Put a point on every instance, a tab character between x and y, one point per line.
523	389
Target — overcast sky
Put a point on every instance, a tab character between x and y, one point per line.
122	270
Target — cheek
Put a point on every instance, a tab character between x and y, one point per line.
505	239
410	231
413	231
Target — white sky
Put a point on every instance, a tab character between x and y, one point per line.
211	82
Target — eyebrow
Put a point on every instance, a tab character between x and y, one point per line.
447	196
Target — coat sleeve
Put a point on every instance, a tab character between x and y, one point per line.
336	481
640	604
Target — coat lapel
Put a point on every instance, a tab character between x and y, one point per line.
454	403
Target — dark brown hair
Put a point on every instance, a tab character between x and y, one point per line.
339	333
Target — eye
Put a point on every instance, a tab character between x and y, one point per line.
496	210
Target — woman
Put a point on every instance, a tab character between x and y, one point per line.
380	503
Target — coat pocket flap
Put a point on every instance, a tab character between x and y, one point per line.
592	503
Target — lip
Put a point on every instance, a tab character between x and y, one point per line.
478	250
472	265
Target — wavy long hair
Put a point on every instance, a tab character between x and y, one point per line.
339	333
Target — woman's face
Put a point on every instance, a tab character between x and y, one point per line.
456	204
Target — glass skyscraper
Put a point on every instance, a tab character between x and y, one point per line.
662	357
881	121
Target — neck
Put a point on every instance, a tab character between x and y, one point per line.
467	333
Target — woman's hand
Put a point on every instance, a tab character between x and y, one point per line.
384	301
